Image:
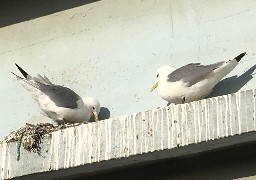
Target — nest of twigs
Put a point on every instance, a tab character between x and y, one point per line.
30	136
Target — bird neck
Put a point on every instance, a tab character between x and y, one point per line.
162	88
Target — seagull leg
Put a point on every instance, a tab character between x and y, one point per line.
61	123
183	99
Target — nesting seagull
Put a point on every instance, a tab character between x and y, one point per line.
192	81
59	103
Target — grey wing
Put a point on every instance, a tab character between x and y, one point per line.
192	73
47	80
43	80
61	96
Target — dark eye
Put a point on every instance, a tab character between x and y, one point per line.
93	107
157	75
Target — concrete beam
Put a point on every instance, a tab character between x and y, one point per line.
138	138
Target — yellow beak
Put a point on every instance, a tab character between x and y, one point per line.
154	87
95	117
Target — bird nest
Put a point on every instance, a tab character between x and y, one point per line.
30	136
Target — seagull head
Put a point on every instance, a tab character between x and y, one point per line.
161	74
94	106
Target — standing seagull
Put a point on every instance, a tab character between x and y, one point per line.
192	81
59	103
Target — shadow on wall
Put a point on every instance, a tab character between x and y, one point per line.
16	11
104	114
232	84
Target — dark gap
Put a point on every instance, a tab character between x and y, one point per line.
16	11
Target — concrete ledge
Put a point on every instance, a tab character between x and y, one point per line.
152	135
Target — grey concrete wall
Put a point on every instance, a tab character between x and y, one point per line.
156	134
111	49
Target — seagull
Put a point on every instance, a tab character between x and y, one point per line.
192	81
57	102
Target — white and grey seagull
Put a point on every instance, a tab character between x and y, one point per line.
59	103
192	81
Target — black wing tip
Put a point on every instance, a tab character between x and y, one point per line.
240	56
18	77
17	66
24	73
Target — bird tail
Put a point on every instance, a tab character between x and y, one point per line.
24	73
239	57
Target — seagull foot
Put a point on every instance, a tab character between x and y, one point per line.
61	126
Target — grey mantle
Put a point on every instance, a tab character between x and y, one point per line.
156	134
